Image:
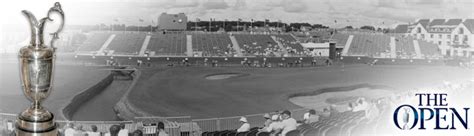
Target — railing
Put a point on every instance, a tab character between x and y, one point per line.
228	123
7	122
174	126
102	126
148	128
179	119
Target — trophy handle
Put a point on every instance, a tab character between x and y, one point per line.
56	9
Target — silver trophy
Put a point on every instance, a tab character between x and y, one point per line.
36	68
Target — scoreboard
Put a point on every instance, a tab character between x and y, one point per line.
173	22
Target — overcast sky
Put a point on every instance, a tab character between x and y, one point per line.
346	12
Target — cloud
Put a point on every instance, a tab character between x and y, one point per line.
391	4
185	3
274	3
313	11
392	14
425	2
240	4
294	5
215	4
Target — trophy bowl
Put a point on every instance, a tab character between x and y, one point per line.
36	72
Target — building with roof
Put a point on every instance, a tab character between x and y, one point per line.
401	29
454	37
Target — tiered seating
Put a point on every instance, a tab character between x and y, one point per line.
321	34
127	43
290	43
252	132
337	124
428	49
341	38
212	44
404	46
256	44
358	45
168	44
94	42
369	44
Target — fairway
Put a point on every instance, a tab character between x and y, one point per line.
185	91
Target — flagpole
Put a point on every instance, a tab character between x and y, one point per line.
195	25
112	27
138	26
210	22
278	24
265	23
251	25
238	20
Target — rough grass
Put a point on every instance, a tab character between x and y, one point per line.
185	91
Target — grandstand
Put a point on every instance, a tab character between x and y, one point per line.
212	44
405	47
290	43
336	125
369	45
221	44
340	38
256	44
127	43
94	41
168	44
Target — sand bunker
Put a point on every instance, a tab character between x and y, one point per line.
338	97
222	76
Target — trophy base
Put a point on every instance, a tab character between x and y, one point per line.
26	127
20	132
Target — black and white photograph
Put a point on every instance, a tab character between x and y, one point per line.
236	67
